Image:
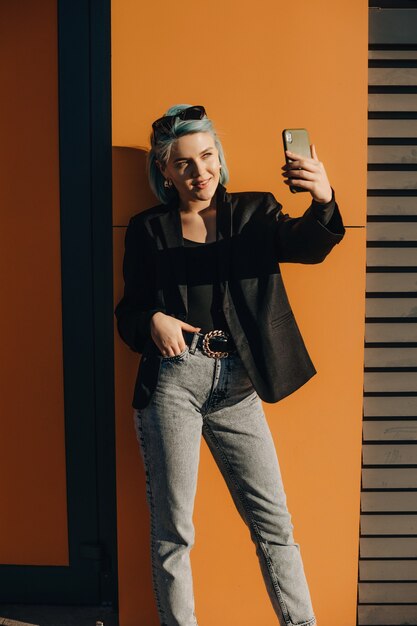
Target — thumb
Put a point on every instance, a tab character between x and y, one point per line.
313	152
186	326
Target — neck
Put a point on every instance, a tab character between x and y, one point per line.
189	206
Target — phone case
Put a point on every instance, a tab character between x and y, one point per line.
296	140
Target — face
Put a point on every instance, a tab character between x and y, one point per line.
194	167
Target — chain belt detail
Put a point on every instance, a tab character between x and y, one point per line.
203	341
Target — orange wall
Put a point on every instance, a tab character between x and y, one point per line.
257	68
33	520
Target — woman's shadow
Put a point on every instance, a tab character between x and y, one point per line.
131	194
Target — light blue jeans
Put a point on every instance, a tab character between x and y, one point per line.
197	395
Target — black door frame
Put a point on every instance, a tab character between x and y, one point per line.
84	67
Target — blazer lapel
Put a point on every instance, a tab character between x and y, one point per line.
224	233
170	238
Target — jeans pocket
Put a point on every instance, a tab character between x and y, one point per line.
178	357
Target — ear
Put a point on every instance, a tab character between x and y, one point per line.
160	166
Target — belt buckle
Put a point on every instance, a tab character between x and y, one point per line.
206	348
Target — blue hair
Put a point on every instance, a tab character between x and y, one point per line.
161	149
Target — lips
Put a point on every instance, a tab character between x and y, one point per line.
202	184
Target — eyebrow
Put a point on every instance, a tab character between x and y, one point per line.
186	158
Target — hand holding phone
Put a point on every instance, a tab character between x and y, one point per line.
303	166
296	140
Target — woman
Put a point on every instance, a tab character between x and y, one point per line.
205	304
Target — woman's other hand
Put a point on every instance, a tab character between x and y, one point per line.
308	173
166	332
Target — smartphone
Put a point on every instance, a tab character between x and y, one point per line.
296	140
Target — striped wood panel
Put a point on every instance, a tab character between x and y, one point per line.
381	502
387	588
399	281
389	430
401	206
389	478
387	592
380	257
391	357
390	454
398	332
389	180
386	615
390	382
388	524
392	55
396	155
386	407
389	570
393	76
392	101
392	128
390	547
402	308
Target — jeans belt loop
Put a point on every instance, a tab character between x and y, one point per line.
194	342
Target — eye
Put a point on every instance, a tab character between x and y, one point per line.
207	154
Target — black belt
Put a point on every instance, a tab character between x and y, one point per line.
215	344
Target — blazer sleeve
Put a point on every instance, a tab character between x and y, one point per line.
135	309
309	238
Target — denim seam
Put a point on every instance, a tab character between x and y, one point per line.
152	516
214	385
261	540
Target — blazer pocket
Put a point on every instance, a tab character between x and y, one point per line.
277	321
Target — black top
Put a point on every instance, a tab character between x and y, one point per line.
203	297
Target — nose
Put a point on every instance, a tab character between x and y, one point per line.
197	169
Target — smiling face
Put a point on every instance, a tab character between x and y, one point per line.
194	168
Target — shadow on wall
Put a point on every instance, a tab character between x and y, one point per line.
131	191
131	194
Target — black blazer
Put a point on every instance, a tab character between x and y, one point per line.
253	235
